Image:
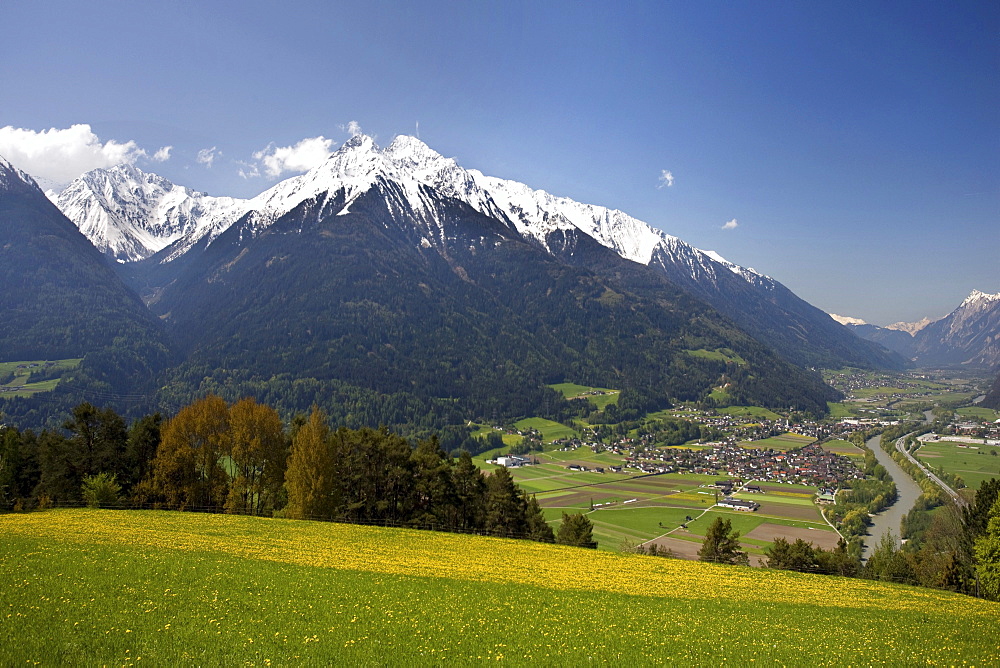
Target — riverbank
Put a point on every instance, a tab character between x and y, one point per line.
907	491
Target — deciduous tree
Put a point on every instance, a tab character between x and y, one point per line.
309	476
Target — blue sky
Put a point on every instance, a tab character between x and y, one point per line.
855	144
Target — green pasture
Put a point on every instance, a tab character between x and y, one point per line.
749	411
549	430
975	466
612	526
191	589
747	522
719	395
19	387
486	430
572	391
980	413
842	447
719	355
839	410
786	441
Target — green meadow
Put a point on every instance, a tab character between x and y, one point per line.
85	587
974	463
17	384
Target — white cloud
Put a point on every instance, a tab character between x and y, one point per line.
353	128
163	154
731	225
303	156
61	155
249	170
207	156
666	179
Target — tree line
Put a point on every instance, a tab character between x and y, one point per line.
240	458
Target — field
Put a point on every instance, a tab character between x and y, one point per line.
749	411
599	396
89	587
974	463
783	442
549	430
979	413
638	508
719	355
846	448
21	370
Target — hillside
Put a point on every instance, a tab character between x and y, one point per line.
391	309
992	399
967	336
161	587
60	299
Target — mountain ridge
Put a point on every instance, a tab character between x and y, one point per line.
762	306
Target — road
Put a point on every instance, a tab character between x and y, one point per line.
901	447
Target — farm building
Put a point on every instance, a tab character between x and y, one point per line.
737	504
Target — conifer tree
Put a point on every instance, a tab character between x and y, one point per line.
538	528
722	544
576	530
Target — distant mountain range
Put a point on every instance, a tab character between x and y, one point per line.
131	216
969	335
383	299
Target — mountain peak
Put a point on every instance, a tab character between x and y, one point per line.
976	296
847	320
12	178
361	141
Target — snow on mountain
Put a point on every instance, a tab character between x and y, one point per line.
130	214
847	320
910	328
977	299
535	214
12	178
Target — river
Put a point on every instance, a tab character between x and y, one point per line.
890	518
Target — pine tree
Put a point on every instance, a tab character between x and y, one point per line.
576	530
504	505
538	528
470	493
722	544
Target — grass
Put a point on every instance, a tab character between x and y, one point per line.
846	448
550	431
749	411
719	355
19	387
117	587
787	441
975	463
979	412
572	391
839	410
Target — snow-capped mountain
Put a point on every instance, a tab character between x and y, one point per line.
910	328
969	335
132	215
847	320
